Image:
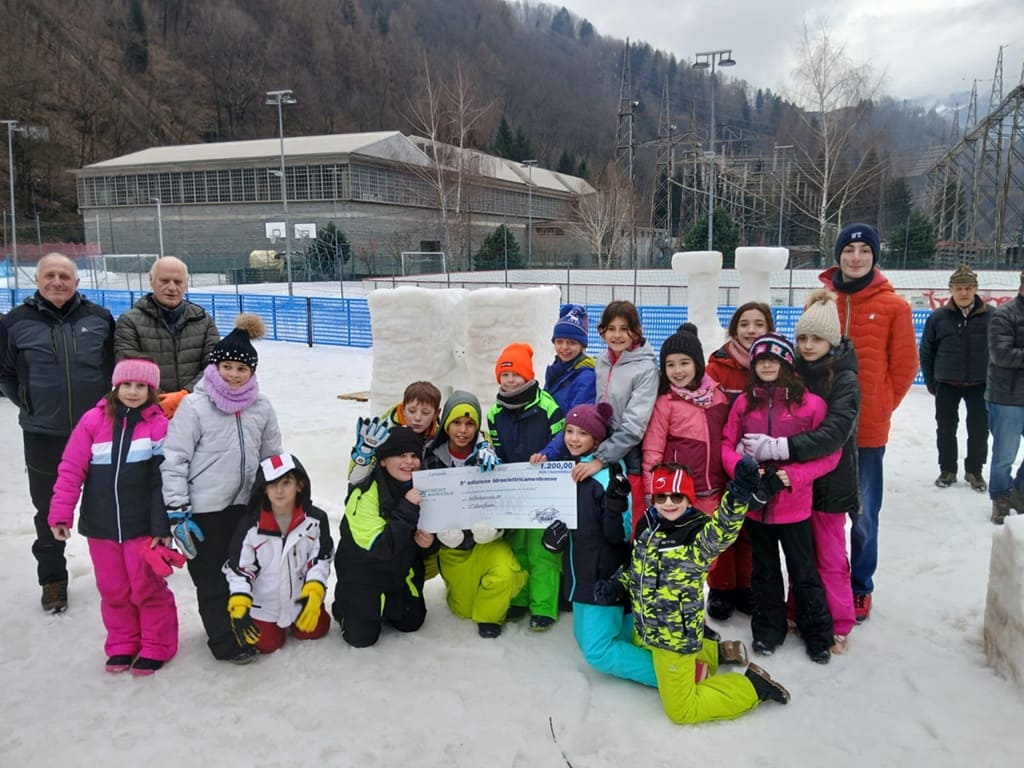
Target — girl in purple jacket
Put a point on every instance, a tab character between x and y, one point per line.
776	403
115	450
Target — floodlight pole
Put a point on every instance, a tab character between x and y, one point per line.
723	58
278	98
159	223
12	126
528	164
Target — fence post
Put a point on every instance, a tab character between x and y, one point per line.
309	321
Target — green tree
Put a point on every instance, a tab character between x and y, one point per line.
911	244
326	255
725	237
504	141
493	250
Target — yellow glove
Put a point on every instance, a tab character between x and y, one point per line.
246	633
313	597
169	401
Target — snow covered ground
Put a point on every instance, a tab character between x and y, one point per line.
913	689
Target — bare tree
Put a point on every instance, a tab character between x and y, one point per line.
603	219
833	159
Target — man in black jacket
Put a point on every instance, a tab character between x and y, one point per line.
954	362
1004	391
56	358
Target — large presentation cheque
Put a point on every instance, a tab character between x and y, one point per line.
509	496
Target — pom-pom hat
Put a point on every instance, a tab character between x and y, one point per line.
237	346
572	324
820	317
517	358
684	342
134	369
772	345
859	233
595	420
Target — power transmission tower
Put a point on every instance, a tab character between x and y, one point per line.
625	146
664	168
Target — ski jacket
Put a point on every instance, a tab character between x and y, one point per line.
573	384
118	461
880	325
598	546
181	354
779	416
684	433
272	566
1005	382
834	379
211	457
726	370
954	346
518	433
630	386
667	567
55	363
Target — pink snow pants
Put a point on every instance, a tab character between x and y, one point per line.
829	531
137	606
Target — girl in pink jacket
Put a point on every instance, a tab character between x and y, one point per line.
115	450
777	404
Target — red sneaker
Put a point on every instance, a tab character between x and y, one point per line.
862	607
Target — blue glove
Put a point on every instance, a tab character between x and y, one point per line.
608	592
184	530
485	456
370	433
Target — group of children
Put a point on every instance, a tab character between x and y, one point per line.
655	439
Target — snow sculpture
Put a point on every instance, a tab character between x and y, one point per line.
755	267
705	271
1004	606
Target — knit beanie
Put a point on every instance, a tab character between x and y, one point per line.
401	440
772	345
964	275
595	420
518	358
859	233
461	404
134	369
572	324
685	342
666	480
237	345
820	317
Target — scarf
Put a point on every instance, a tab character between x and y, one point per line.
226	399
701	396
518	398
738	353
852	286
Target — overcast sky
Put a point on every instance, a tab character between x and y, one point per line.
925	48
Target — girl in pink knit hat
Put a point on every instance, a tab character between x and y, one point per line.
115	451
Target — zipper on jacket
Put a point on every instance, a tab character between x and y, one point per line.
117	477
67	378
241	452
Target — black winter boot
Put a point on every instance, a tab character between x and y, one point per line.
765	687
720	604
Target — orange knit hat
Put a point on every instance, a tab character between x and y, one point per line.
517	358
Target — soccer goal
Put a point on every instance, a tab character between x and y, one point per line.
424	263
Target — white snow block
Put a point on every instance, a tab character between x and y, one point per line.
497	317
704	270
415	332
755	266
1004	606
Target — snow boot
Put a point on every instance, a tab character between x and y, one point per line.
1000	509
55	597
766	688
488	630
541	623
976	481
144	667
120	663
945	479
732	652
720	604
711	634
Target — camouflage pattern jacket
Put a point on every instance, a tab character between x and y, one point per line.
666	572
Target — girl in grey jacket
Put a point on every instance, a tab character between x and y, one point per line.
214	445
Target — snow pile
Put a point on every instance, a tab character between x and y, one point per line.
1004	607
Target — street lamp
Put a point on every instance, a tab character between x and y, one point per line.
12	126
159	223
278	98
723	58
528	164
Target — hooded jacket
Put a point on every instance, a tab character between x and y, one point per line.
211	457
571	383
55	363
118	461
730	375
272	566
880	324
179	352
518	433
834	379
630	386
1005	382
954	346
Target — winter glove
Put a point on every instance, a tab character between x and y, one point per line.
556	536
451	537
765	447
161	559
618	492
771	483
184	530
745	482
246	633
312	599
169	401
484	533
608	592
485	456
370	433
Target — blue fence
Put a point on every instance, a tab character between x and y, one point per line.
346	322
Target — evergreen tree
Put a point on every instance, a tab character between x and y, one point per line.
911	245
498	246
566	163
725	237
504	141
